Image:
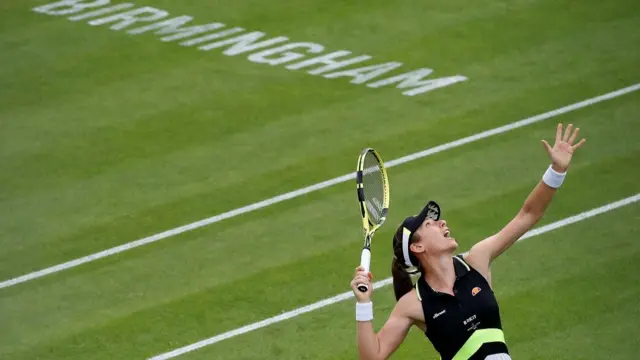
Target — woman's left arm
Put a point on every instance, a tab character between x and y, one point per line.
482	254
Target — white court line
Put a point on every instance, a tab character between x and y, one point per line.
312	188
349	294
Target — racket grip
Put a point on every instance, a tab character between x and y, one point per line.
365	261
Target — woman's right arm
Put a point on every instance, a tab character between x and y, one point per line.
372	346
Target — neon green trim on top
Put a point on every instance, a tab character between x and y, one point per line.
475	342
462	262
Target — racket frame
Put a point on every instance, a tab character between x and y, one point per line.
369	228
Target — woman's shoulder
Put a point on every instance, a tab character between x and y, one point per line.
410	305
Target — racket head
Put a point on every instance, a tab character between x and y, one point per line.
373	189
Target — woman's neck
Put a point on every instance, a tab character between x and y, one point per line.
440	274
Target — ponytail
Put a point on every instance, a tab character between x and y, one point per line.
402	283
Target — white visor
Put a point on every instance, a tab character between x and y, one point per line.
406	234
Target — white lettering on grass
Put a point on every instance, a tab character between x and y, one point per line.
265	50
103	11
243	43
414	80
69	6
213	36
364	74
287	56
144	14
328	60
174	28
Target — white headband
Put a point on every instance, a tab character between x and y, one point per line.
406	234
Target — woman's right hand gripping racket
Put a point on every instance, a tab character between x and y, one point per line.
373	196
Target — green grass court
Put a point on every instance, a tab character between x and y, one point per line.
107	137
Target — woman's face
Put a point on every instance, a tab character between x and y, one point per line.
434	238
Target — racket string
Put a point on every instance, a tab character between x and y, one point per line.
373	187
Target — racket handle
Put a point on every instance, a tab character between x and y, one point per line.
365	261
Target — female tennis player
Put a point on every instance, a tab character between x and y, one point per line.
452	302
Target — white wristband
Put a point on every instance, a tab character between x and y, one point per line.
553	178
364	312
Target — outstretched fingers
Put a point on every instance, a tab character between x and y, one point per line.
567	133
576	146
573	137
547	146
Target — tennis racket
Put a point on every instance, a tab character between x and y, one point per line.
373	197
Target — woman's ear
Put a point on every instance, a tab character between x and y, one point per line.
416	247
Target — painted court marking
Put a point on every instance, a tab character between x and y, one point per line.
312	188
348	295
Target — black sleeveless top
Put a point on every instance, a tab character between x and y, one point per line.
466	326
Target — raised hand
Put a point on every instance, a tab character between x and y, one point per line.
564	147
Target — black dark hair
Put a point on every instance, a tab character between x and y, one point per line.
402	283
